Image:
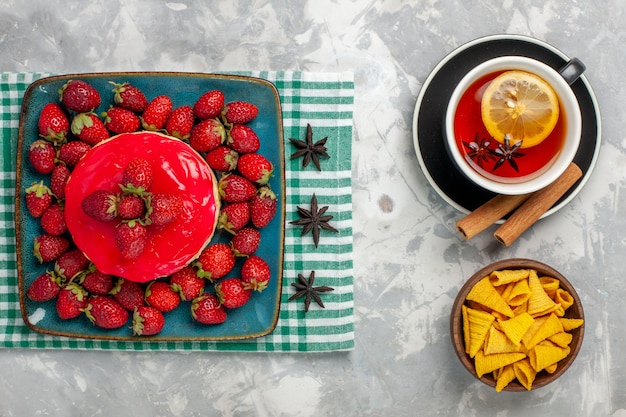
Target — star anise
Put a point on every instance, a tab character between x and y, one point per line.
478	150
311	151
313	220
306	289
506	152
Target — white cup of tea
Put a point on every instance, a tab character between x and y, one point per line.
503	164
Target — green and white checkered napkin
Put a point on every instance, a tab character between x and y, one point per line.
325	100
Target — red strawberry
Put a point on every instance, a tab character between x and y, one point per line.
187	283
234	188
161	296
42	156
246	241
215	261
138	173
207	135
58	178
255	273
100	205
209	105
206	309
232	293
79	96
45	287
180	122
38	198
53	220
105	312
129	97
240	112
130	207
255	167
72	152
263	207
166	208
222	159
243	139
147	321
129	294
53	123
71	264
156	113
47	248
131	239
121	120
234	216
89	128
96	282
71	301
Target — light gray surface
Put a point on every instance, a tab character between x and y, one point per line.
409	261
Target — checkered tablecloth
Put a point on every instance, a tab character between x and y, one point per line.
325	100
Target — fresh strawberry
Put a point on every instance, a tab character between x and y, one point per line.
243	139
263	207
222	159
72	152
53	123
246	241
105	312
166	208
240	112
255	273
131	207
255	167
156	113
206	309
71	264
58	178
53	220
232	293
129	97
161	296
147	321
234	216
234	188
89	128
121	120
138	173
209	105
47	248
207	135
71	301
131	239
96	282
215	261
187	283
129	294
79	96
100	205
45	287
42	156
38	198
180	122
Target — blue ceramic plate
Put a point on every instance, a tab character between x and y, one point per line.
259	316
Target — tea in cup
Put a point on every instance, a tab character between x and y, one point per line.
513	124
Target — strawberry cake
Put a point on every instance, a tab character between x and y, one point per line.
177	170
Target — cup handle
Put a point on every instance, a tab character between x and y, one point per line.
572	70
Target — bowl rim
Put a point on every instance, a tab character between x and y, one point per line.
456	322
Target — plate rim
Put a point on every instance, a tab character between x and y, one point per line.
280	215
484	40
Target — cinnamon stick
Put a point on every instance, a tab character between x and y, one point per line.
487	214
529	212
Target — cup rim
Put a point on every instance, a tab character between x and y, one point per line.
568	101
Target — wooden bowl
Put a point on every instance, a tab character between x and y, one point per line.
575	311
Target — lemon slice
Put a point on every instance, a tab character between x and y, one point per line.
521	105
